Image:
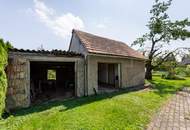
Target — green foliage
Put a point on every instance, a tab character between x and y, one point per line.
172	76
187	70
51	75
177	72
180	71
121	110
169	62
183	71
169	67
3	81
162	30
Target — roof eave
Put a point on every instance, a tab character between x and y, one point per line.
114	55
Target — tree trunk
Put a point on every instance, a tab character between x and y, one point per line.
148	74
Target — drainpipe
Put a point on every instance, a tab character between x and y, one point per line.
85	76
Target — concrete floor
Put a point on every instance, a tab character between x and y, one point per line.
103	88
58	94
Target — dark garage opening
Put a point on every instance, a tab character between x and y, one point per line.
108	77
51	81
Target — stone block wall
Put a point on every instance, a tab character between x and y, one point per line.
18	83
18	75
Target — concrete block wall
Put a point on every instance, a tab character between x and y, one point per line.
132	71
80	78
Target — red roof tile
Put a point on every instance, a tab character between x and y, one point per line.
100	45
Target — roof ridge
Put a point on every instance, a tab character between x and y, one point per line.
97	44
96	35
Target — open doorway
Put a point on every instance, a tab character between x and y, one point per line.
108	76
51	80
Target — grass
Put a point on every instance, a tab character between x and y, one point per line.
121	110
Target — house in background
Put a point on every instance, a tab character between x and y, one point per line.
92	65
186	60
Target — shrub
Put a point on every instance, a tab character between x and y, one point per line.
187	71
3	81
3	87
171	76
183	71
180	71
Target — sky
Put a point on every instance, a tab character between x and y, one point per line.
29	24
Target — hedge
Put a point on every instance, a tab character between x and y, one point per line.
3	80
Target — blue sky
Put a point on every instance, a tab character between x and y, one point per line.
30	23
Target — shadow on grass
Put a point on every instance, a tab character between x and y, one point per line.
68	104
158	87
165	88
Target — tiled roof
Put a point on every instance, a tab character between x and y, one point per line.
52	52
100	45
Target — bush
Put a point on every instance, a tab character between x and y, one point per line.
187	71
183	71
3	88
180	71
172	77
3	80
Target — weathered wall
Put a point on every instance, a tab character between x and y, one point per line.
76	45
18	93
80	78
132	71
18	73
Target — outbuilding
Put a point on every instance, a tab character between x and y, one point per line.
92	65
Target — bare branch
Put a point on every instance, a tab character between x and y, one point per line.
161	37
157	54
168	54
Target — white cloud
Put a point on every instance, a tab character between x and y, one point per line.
61	25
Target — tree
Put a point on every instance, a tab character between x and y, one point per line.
161	32
170	64
169	61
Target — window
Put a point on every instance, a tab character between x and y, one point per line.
51	74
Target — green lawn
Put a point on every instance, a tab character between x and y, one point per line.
121	110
